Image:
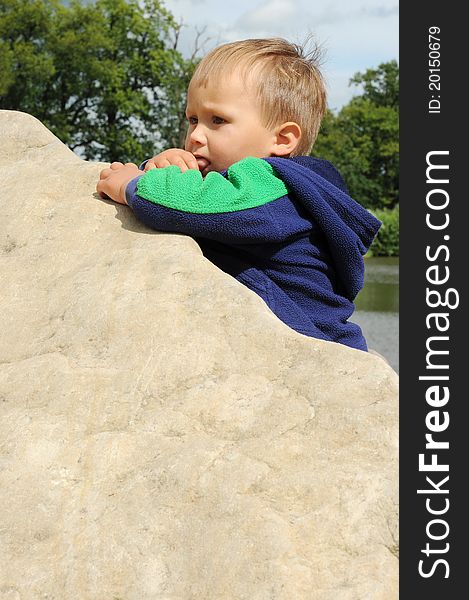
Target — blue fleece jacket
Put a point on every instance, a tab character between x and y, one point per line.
301	250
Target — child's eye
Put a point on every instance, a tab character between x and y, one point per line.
218	120
192	120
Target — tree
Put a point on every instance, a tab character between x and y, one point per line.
26	63
99	74
381	85
362	140
174	126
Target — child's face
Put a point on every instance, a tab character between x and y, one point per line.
225	125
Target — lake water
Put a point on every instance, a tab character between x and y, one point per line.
377	307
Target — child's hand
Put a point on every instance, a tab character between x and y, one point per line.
113	181
174	156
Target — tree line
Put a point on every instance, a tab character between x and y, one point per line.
362	140
107	78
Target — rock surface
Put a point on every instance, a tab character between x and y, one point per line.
163	435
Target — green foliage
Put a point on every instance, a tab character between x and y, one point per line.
387	240
381	85
362	140
104	76
24	58
173	127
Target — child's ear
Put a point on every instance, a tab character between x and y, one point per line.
288	137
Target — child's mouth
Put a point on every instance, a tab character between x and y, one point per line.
202	162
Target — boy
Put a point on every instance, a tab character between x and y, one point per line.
280	223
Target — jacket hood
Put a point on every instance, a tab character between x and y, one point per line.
348	227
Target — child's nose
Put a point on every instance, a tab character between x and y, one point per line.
197	135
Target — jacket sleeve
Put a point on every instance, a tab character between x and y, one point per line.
235	208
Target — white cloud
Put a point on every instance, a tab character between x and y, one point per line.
268	15
276	14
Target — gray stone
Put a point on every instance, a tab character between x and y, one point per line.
163	435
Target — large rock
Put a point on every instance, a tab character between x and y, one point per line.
164	435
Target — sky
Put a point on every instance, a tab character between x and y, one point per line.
355	34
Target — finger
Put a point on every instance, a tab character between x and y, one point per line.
150	165
116	165
105	173
99	189
131	165
162	163
179	162
191	161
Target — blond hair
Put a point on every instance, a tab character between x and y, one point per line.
286	78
